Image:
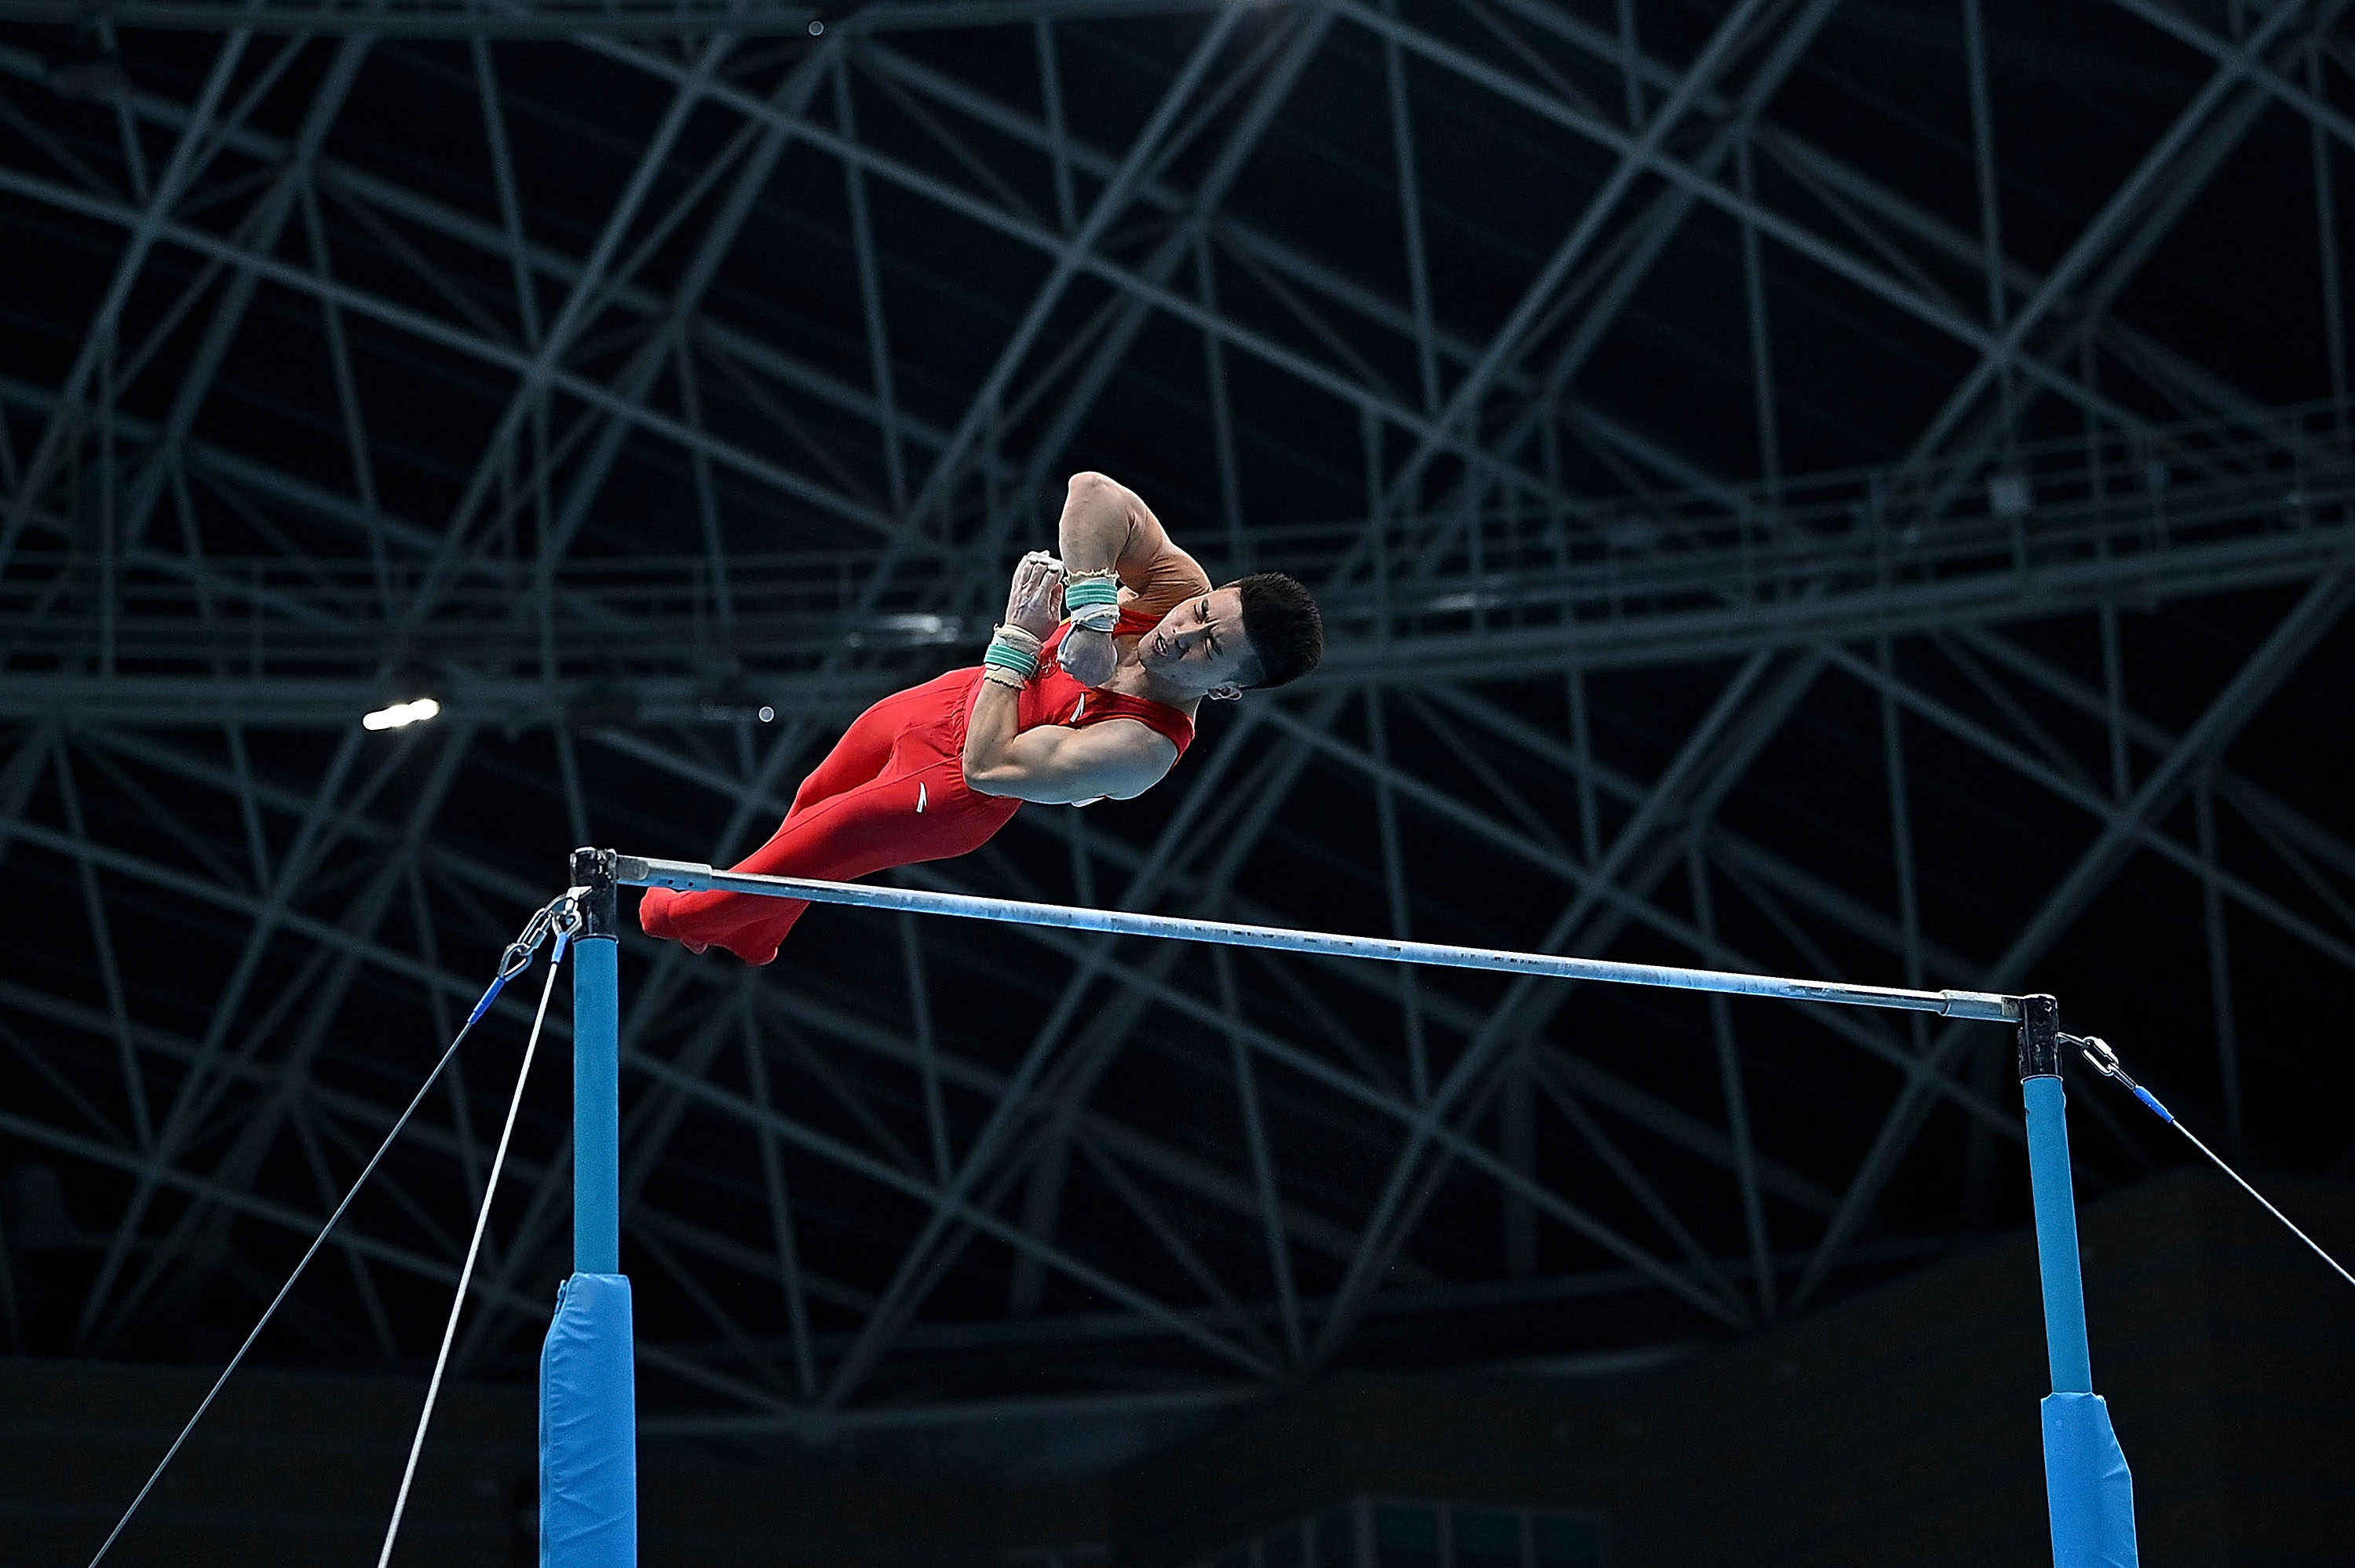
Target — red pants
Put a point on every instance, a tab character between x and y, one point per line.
891	793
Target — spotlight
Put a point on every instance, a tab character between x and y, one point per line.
399	716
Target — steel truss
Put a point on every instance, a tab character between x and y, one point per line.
1598	683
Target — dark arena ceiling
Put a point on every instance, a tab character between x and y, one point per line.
1856	490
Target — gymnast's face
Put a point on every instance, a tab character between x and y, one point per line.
1199	647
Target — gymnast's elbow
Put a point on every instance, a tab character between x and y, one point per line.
988	779
1102	489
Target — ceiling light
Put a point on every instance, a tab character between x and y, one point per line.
399	715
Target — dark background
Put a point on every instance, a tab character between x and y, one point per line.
1720	570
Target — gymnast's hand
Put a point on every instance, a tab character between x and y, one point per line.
1035	603
1088	657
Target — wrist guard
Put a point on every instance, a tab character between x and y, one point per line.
1013	651
1093	598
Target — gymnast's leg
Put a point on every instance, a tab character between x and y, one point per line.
903	817
859	757
891	793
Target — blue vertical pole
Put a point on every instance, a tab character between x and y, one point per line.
596	1104
2088	1491
588	1399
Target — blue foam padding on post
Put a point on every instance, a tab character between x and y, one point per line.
2086	1485
587	1428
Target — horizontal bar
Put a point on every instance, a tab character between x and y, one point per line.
690	877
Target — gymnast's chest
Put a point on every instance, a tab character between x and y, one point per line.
1054	698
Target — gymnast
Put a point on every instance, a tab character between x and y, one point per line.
1099	707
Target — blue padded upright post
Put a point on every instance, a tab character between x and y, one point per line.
2087	1488
587	1398
596	1106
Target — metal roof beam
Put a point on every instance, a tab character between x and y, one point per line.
2273	661
2006	347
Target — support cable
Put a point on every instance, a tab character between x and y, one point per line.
512	962
567	922
2104	1061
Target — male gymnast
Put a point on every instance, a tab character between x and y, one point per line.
1101	705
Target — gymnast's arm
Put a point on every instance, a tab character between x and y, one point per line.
1051	766
1104	524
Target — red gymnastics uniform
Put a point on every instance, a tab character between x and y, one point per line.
892	792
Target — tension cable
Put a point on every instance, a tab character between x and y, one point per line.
567	921
512	962
2104	1061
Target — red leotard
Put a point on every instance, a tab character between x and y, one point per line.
892	792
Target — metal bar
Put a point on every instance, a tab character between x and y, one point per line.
561	19
491	697
267	913
898	1301
1411	216
2103	810
1839	186
147	225
1773	225
259	233
1699	756
539	369
258	1129
688	876
2219	960
1071	256
2232	709
347	403
978	1218
1133	282
1263	1164
2308	102
1050	94
1196	214
1761	353
1172	1241
1394	884
1705	1268
2334	299
1222	415
1737	1101
1990	200
110	968
1631	901
780	1215
2264	809
1636	155
870	297
2113	695
2004	346
1455	1144
550	375
1589	1080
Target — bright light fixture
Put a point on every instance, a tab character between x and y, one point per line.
396	716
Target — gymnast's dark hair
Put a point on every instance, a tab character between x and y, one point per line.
1286	633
